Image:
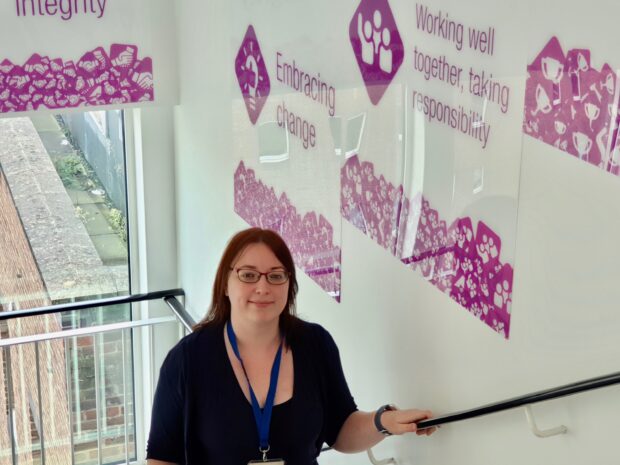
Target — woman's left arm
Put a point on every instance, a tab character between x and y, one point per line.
358	433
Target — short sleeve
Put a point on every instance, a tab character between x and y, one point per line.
166	438
339	403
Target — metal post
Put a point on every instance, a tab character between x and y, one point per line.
125	410
41	433
69	394
97	396
76	378
10	401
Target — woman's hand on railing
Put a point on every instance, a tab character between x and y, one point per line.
359	432
405	421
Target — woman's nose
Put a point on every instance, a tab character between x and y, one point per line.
262	285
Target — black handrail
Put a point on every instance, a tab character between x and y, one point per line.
86	304
535	397
169	296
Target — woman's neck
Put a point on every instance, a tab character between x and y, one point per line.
256	336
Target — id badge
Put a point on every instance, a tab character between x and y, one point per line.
271	461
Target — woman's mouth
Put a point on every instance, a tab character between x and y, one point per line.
261	303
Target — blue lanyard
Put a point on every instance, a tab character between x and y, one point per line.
262	418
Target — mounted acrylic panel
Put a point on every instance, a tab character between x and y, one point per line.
286	175
409	133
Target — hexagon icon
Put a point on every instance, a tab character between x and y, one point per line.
377	45
252	75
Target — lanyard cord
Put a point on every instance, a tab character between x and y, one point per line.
261	417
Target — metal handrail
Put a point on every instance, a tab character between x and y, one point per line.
125	327
87	304
170	298
86	331
179	311
528	399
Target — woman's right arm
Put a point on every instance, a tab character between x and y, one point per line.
165	444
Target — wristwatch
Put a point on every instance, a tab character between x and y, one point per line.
378	414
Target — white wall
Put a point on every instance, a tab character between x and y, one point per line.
403	341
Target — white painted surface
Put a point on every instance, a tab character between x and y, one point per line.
400	339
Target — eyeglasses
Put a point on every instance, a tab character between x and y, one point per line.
276	277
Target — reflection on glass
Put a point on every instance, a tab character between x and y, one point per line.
273	143
355	131
335	126
478	180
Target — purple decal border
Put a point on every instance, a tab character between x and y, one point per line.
461	262
97	78
309	236
573	106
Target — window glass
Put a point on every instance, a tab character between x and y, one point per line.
63	238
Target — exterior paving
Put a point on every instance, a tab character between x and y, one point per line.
68	261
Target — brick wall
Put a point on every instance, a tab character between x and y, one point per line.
19	276
20	280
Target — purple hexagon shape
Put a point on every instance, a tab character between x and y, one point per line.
377	45
252	75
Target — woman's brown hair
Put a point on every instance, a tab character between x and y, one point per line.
219	311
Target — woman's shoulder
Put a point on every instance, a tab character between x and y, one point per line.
314	334
199	341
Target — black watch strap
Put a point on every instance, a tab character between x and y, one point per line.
377	418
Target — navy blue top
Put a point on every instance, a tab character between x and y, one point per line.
201	416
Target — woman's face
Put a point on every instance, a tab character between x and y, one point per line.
258	302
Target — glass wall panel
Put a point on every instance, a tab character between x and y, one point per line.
350	115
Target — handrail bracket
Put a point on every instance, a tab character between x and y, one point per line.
374	461
542	433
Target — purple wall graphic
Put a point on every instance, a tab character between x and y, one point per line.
377	45
252	75
310	237
574	107
98	78
460	261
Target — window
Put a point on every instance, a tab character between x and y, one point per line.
63	238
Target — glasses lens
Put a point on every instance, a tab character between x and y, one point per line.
248	276
277	277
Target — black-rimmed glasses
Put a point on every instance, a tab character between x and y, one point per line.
247	275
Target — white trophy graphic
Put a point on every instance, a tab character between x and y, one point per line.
582	67
582	144
610	84
592	112
543	104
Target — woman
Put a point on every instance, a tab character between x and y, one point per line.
253	382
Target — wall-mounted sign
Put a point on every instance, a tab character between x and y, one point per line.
80	53
286	178
574	106
422	184
409	120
